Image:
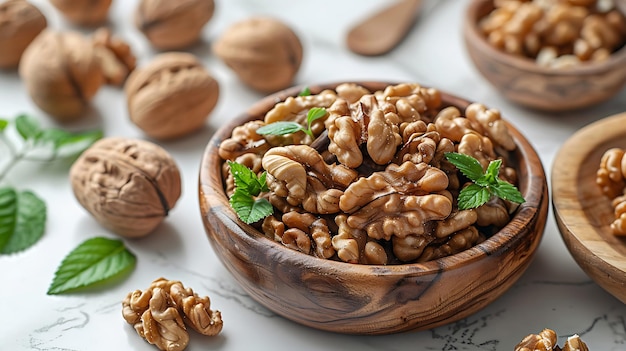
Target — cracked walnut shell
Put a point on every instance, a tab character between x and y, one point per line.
172	96
171	25
128	185
264	52
20	23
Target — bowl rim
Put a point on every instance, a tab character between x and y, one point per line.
474	37
534	190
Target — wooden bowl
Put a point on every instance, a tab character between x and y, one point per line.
371	299
522	81
583	214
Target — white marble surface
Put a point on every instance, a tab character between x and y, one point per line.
553	293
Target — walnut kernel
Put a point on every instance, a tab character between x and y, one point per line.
20	23
171	96
162	313
129	186
264	52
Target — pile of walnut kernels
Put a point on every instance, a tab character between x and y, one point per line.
556	33
373	186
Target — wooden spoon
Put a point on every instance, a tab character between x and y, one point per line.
382	31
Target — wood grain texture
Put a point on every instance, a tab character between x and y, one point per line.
583	214
371	299
526	83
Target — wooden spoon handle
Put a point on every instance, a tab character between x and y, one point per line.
382	31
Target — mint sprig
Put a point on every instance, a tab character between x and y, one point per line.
248	187
23	213
485	184
290	127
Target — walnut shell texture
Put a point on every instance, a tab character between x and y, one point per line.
84	12
264	52
171	96
128	185
61	73
20	23
171	25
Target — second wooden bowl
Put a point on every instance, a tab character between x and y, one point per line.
522	81
371	299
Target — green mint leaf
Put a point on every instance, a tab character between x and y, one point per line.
507	191
22	220
263	183
469	166
249	209
3	124
96	260
314	114
27	127
73	144
473	196
280	128
246	180
305	92
493	169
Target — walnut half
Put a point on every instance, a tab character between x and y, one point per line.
161	313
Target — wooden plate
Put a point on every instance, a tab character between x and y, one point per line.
582	212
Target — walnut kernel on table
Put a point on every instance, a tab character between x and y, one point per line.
171	96
128	185
162	313
264	53
84	12
546	340
20	23
63	71
172	25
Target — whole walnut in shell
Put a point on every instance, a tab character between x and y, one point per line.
84	12
62	73
264	52
20	23
171	96
128	185
171	25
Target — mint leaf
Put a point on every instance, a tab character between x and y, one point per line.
73	144
289	127
469	166
27	127
485	185
247	186
314	114
305	92
280	128
249	209
507	191
3	124
246	180
22	220
94	261
473	196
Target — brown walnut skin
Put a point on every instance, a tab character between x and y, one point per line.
20	23
128	185
84	12
265	53
172	96
172	25
61	73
